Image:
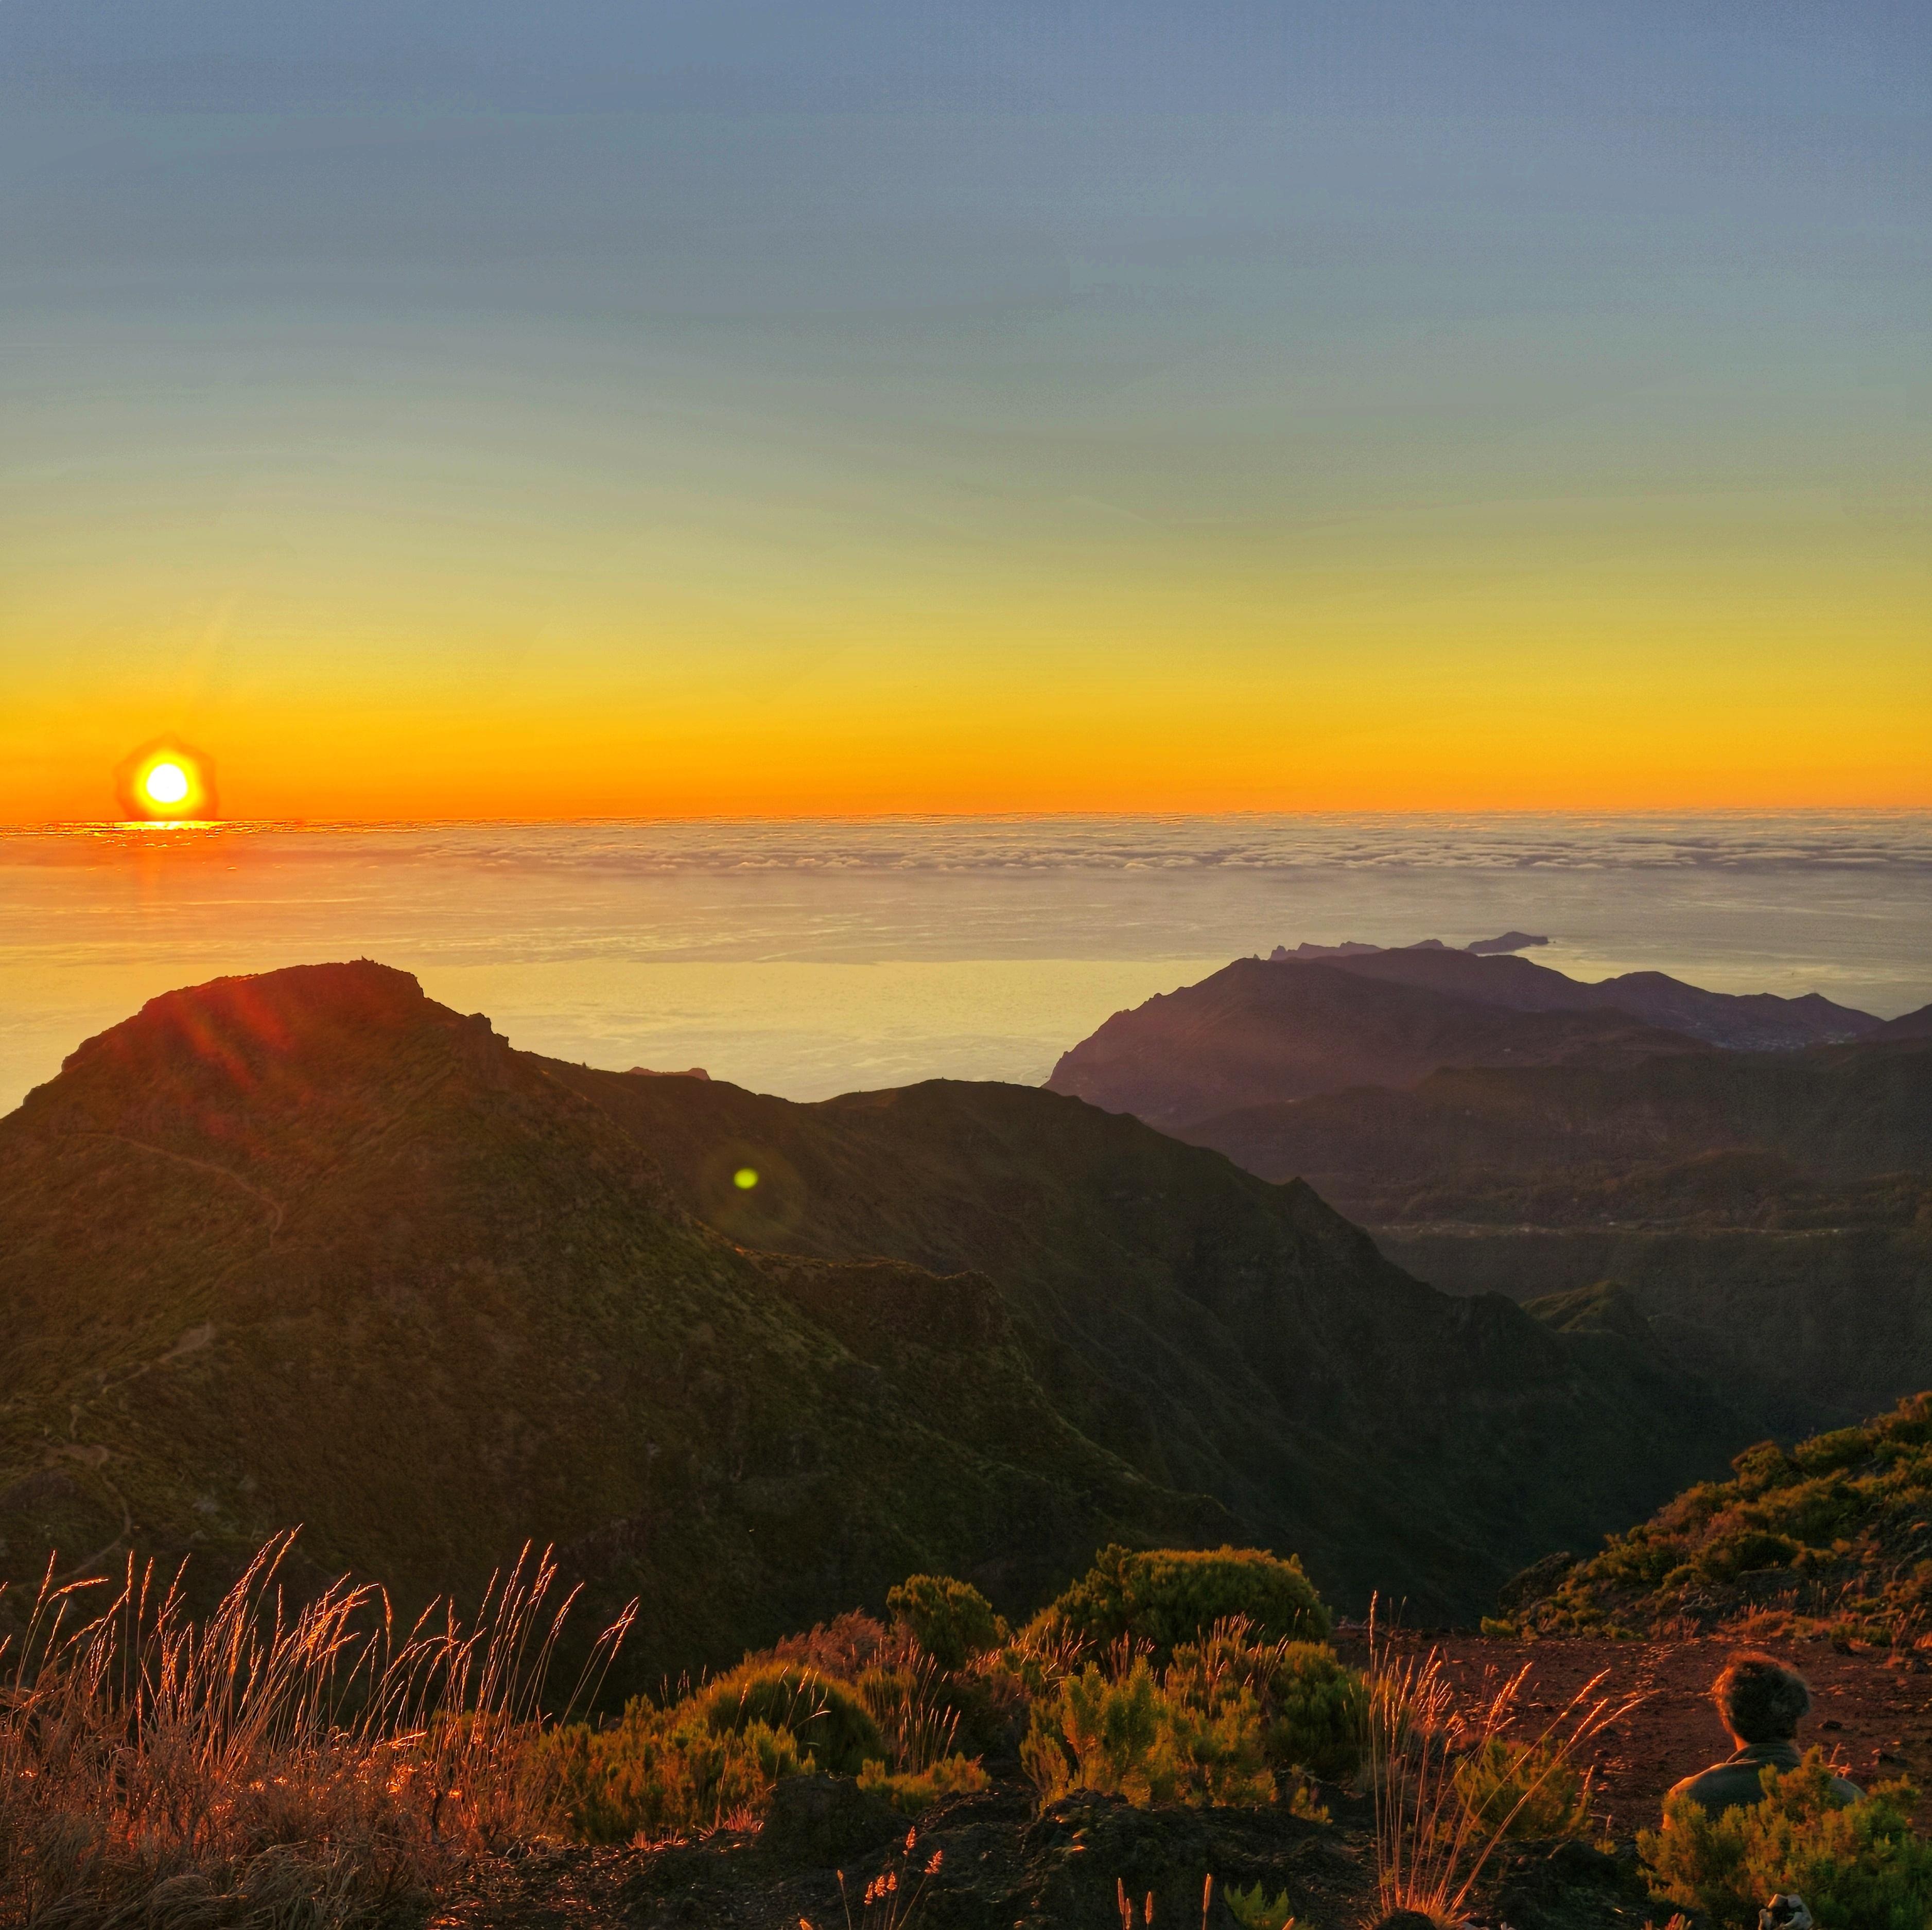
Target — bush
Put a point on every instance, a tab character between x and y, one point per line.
666	1773
1140	1738
951	1621
827	1718
1522	1791
1318	1711
1858	1866
911	1792
672	1772
1165	1597
1314	1708
1253	1910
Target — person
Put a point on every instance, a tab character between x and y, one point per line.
1760	1703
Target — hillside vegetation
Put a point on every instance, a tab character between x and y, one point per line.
310	1248
1756	1172
1217	1333
1835	1535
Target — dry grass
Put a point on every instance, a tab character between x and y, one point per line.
1432	1843
266	1768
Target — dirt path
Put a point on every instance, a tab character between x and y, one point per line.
1872	1716
254	1193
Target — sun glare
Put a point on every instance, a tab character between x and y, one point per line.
166	782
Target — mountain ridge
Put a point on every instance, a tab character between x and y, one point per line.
492	1311
1263	1031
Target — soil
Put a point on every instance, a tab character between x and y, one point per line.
1003	1867
1871	1708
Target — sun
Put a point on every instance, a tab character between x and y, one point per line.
167	785
166	782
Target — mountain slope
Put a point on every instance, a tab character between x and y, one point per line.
1261	1031
1839	1114
1832	1536
1216	1333
308	1247
1755	1021
1771	1211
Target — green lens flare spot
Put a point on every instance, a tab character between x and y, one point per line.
745	1178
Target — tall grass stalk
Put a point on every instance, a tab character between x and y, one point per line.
267	1767
1432	1844
914	1714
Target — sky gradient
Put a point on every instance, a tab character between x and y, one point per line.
466	410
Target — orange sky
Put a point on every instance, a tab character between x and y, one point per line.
609	411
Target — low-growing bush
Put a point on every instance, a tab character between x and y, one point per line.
829	1720
712	1758
1139	1738
1254	1910
912	1791
1522	1791
1314	1707
1858	1865
1165	1597
667	1773
951	1621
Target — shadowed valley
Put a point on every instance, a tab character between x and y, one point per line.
1759	1180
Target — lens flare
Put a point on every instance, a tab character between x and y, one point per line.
166	782
744	1178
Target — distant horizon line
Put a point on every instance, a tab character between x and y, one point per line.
47	826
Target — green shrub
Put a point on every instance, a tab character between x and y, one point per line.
828	1719
1314	1708
1523	1791
1825	1538
1765	1466
1318	1711
951	1621
1743	1551
1255	1911
1858	1866
665	1772
659	1773
911	1792
1168	1596
1139	1739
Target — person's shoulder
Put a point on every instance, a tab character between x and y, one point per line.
1731	1785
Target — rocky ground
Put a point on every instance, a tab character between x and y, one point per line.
1001	1866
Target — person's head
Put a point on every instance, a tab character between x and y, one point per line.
1760	1699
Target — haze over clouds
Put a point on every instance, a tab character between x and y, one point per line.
486	411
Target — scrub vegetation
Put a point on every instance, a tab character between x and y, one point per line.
266	1765
316	1765
1858	1866
1833	1536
